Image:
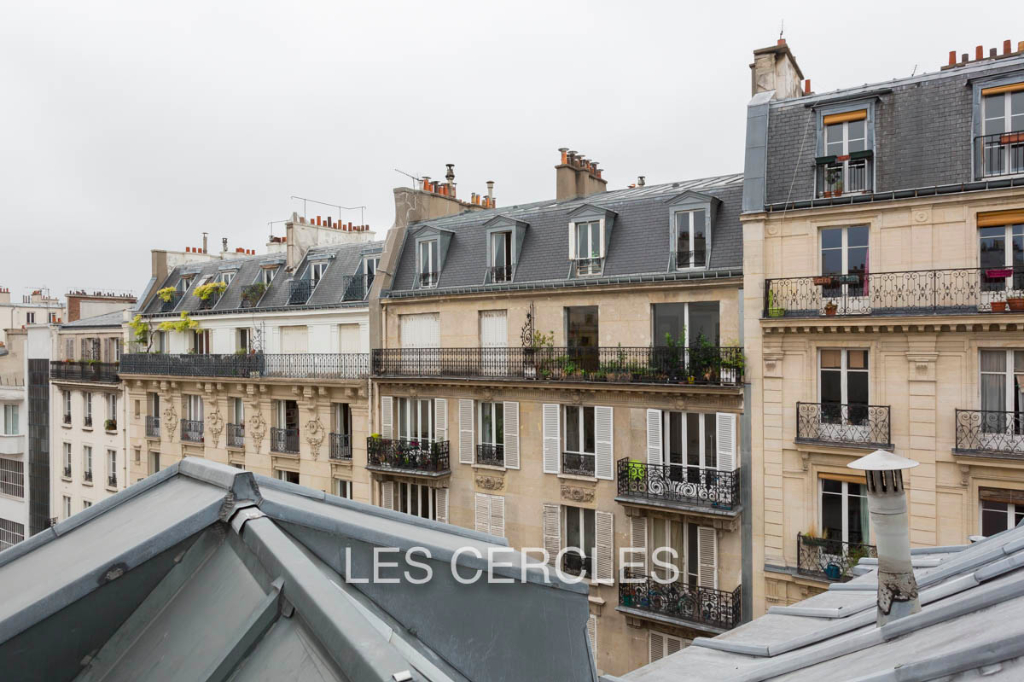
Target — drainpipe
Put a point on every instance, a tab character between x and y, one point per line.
887	502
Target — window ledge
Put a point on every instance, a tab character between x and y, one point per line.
65	478
87	428
574	477
12	497
111	433
489	467
88	483
66	426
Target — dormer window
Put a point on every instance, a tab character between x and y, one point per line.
427	263
691	247
226	277
184	283
589	245
267	275
845	148
1002	145
500	257
316	272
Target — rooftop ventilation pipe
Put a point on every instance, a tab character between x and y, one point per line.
887	502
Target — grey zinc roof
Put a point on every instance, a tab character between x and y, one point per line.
971	625
206	572
639	242
113	319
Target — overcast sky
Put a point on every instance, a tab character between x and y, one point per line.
124	127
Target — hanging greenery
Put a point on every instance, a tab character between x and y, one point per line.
141	332
166	294
183	324
205	291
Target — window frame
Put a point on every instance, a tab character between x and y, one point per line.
844	507
592	555
343	488
581	418
11	425
403	411
707	425
844	370
691	212
595	229
432	245
821	145
1009	375
498	435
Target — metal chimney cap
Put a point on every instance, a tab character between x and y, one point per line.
883	460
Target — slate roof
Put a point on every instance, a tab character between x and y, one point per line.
206	572
112	319
639	244
971	625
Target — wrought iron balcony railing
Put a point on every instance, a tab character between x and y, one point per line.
838	175
588	266
575	564
690	259
284	440
251	295
87	476
152	426
341	446
678	484
67	418
417	456
856	424
578	463
299	291
699	365
87	422
829	560
999	154
355	287
490	455
192	430
680	601
235	435
170	304
957	291
112	480
986	432
67	471
428	279
497	274
87	370
256	365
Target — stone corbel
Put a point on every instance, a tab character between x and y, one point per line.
773	363
490	482
805	458
965	475
170	418
922	366
315	435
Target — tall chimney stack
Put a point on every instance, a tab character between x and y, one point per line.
223	244
887	503
204	241
775	70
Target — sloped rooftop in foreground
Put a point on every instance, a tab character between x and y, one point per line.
206	572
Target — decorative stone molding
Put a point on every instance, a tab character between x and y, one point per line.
257	428
490	482
773	363
965	475
216	424
170	421
315	435
577	494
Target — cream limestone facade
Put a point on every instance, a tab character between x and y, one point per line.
924	344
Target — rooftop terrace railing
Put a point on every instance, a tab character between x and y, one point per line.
252	366
90	371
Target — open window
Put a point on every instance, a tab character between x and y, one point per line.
999	127
845	150
691	216
590	230
504	243
431	248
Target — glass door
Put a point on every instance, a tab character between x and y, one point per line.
844	271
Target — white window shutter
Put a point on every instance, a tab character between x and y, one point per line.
654	450
441	512
497	515
387	494
482	513
657	646
605	536
604	433
552	531
511	411
466	431
707	557
386	418
725	440
441	419
592	635
552	440
672	645
638	540
572	242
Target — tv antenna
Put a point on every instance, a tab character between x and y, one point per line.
415	178
362	209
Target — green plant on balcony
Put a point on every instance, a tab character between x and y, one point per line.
204	291
773	310
253	293
184	324
166	294
110	425
141	332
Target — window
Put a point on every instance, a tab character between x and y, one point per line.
491	420
1003	113
342	418
686	323
67	460
844	511
87	407
692	239
267	275
416	499
86	504
112	465
427	262
316	272
369	269
501	257
11	427
415	419
160	342
242	339
663	645
87	461
343	489
184	283
579	429
689	444
671	534
1002	392
67	506
580	541
11	533
154	462
111	412
66	395
237	411
844	256
201	341
582	326
288	476
30	318
12	477
194	407
1001	248
589	248
843	380
844	167
53	318
226	277
1000	510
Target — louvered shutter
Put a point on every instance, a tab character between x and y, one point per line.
552	439
552	531
657	646
605	549
387	494
604	433
725	440
441	511
497	515
654	432
638	541
707	557
672	645
482	513
592	635
386	416
572	242
466	431
511	411
440	419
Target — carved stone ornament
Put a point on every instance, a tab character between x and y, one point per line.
315	435
170	421
257	428
490	482
575	494
216	423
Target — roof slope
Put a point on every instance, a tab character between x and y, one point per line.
206	572
111	319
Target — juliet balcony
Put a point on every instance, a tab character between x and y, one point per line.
418	457
999	154
192	430
829	560
987	433
253	366
679	603
88	371
152	426
678	486
341	447
856	425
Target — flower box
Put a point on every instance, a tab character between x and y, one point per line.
824	281
999	273
848	279
1015	304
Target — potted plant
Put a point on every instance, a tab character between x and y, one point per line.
823	281
831	308
205	291
774	310
110	425
166	294
998	306
1015	302
811	539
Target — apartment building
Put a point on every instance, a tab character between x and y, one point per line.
567	374
258	361
883	234
37	307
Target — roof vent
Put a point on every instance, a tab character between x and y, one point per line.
887	503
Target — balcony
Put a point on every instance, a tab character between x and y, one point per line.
341	447
499	274
676	485
152	426
426	458
697	365
999	154
679	603
490	455
428	280
986	433
586	267
235	435
67	471
12	444
252	366
285	441
112	481
865	426
86	371
355	287
251	295
838	175
578	463
87	476
192	430
575	564
829	560
299	291
210	301
958	291
167	306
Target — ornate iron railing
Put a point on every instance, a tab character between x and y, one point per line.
341	446
679	484
407	455
855	424
497	274
299	291
87	476
678	600
87	422
112	480
691	259
172	303
588	266
999	154
192	430
251	295
235	435
67	471
575	564
698	365
210	301
256	365
152	426
835	176
491	455
101	372
355	288
990	432
428	279
578	463
829	560
959	291
284	440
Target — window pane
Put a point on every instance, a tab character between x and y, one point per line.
683	232
832	238
992	248
995	111
700	242
855	134
692	568
831	359
486	432
834	139
669	318
857	359
830	486
857	516
857	388
704	322
710	451
588	532
831	386
595	240
1017	104
993	393
572	429
993	361
693	439
832	262
832	516
993	518
588	429
499	423
675	440
572	527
